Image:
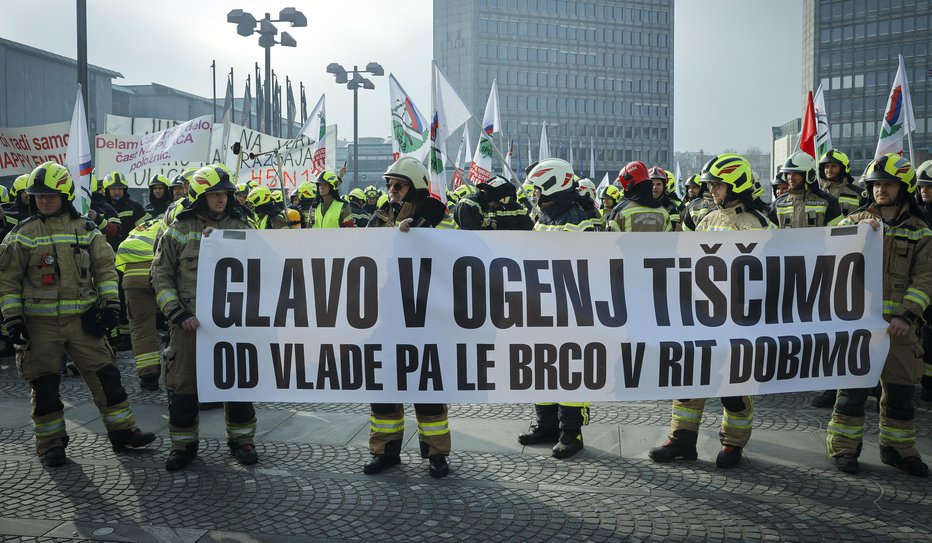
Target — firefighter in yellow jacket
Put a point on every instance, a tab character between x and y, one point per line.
174	278
331	211
134	260
410	205
267	213
907	287
58	292
731	184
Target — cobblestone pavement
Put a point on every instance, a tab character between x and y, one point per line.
313	490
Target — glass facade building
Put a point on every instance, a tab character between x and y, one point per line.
590	69
851	48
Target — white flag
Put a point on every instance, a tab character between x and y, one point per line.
570	158
315	128
481	168
823	138
898	118
543	151
459	165
78	158
591	159
447	114
410	130
227	117
678	176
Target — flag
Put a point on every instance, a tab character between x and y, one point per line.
303	105
447	113
315	128
598	190
898	118
459	172
290	108
823	131
260	102
78	158
481	168
510	153
530	157
277	109
227	117
570	158
808	133
518	156
580	156
678	176
246	118
591	159
543	150
410	130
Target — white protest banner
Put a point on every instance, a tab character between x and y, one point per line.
24	148
384	316
128	154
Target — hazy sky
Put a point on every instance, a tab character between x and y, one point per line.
737	62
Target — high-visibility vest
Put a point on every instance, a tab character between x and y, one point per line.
332	218
138	247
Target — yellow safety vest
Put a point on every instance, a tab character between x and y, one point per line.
138	247
332	218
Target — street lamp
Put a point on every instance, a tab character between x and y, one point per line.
246	26
355	83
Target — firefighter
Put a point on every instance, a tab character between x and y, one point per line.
558	211
307	201
184	179
659	180
159	197
268	213
332	211
692	190
58	289
639	210
409	205
174	279
835	179
17	209
697	208
609	197
732	187
7	221
924	199
357	201
134	260
779	186
907	286
179	187
586	189
131	212
479	211
372	199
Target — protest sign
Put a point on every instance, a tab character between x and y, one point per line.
24	148
384	316
130	154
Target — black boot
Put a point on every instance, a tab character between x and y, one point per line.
912	465
439	466
179	458
391	456
546	429
246	453
425	450
123	440
680	446
847	463
54	457
728	457
149	382
570	443
824	400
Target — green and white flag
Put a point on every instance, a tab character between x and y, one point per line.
410	131
481	168
898	118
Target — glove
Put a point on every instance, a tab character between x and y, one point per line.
109	317
17	332
180	317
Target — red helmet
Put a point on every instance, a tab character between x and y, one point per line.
632	174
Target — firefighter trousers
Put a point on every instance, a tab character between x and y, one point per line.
141	308
38	363
902	370
181	384
387	424
737	418
566	416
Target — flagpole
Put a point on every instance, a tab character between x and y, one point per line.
213	77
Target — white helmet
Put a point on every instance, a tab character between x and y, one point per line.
801	162
552	176
411	170
586	188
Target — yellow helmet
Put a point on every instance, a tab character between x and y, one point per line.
159	179
758	186
731	169
4	195
51	178
358	194
834	156
19	184
372	192
671	183
692	181
259	196
610	191
383	199
307	191
464	190
277	196
329	178
115	180
891	167
212	178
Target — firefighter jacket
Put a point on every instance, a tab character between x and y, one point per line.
696	210
134	255
270	217
174	269
472	214
131	215
566	217
907	261
849	196
55	267
630	216
106	218
337	215
673	209
742	216
806	207
391	214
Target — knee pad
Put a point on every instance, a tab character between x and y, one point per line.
46	395
182	410
734	403
240	412
429	409
900	402
383	408
851	402
109	377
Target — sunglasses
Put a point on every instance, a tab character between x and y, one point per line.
397	186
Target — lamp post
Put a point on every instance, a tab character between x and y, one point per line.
355	83
246	26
